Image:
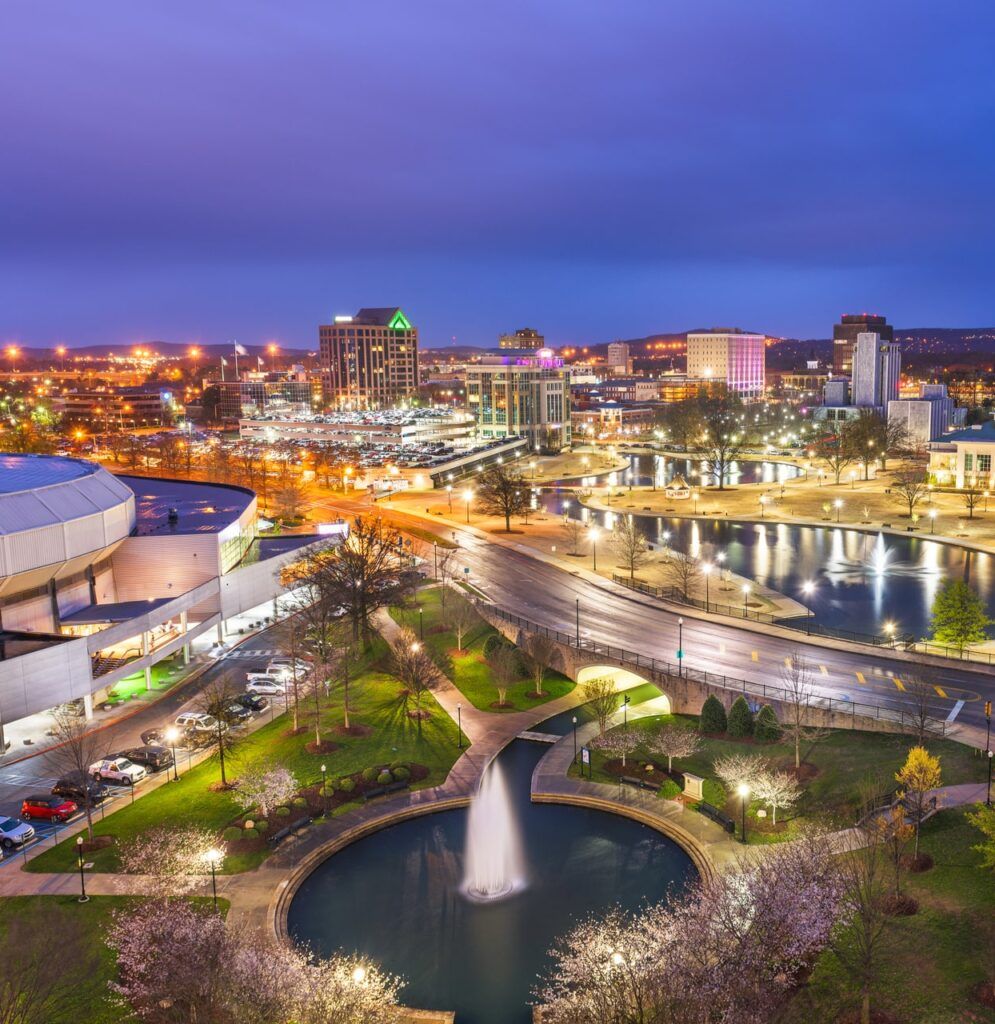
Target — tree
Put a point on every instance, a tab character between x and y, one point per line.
777	790
76	747
217	699
172	858
502	492
539	651
48	963
672	740
911	487
601	695
960	616
575	532
445	560
289	499
722	436
983	819
290	639
894	832
506	667
796	697
413	665
682	571
618	742
736	770
713	719
837	450
629	544
919	701
972	498
460	617
682	422
266	788
740	719
766	727
919	774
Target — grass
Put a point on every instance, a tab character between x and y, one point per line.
472	675
164	675
843	761
933	959
373	701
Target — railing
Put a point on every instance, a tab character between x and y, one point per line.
960	653
673	594
661	670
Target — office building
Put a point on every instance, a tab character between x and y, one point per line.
618	359
845	337
525	394
115	408
965	458
733	358
370	360
292	393
394	426
523	338
927	417
877	366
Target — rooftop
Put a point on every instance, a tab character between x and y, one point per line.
982	432
29	472
200	507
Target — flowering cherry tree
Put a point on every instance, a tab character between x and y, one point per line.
777	789
672	741
266	788
618	742
737	769
172	858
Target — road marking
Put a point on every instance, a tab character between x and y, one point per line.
722	648
824	670
861	679
898	682
787	661
940	692
954	711
755	655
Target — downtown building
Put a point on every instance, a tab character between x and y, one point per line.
845	335
521	394
877	369
370	360
733	358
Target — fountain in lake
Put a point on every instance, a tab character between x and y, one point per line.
875	559
494	864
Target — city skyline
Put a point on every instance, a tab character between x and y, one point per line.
191	175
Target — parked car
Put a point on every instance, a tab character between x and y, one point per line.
47	808
253	701
237	713
80	787
153	736
284	667
259	683
119	770
198	721
13	832
152	757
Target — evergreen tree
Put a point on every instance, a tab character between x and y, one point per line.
713	716
740	719
766	728
959	615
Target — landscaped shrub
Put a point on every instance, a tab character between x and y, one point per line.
231	834
397	764
384	778
713	793
401	773
766	727
261	826
328	790
346	785
250	833
713	716
299	801
493	642
283	812
740	719
669	790
370	774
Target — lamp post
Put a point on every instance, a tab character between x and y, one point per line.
746	599
214	857
83	898
421	622
932	519
435	552
744	791
694	499
577	620
566	506
763	502
324	789
574	721
172	735
459	726
468	497
625	710
988	747
680	647
593	531
889	631
808	588
707	570
838	503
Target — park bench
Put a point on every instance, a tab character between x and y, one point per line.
719	817
631	780
277	837
393	787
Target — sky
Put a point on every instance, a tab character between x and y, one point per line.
185	171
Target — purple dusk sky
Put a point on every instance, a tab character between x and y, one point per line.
197	171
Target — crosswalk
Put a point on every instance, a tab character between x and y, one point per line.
255	652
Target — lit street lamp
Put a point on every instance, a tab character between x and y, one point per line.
763	502
449	495
214	857
83	898
172	735
932	519
468	497
578	621
680	647
838	503
746	599
808	588
744	791
707	570
574	720
421	622
324	788
594	532
459	726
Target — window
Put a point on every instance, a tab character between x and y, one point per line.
984	463
968	462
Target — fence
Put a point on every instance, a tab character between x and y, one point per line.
676	596
659	670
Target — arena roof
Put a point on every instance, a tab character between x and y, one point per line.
200	507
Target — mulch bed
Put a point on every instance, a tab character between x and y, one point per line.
354	730
899	906
535	695
325	747
97	843
220	787
985	994
499	704
877	1017
634	768
805	773
296	732
917	865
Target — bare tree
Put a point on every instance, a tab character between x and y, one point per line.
289	499
672	740
575	532
722	436
629	544
414	665
972	498
796	696
539	651
911	487
502	492
445	561
48	960
600	693
683	571
461	617
919	700
217	699
506	667
290	636
838	450
77	747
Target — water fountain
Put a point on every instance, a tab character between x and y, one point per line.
494	863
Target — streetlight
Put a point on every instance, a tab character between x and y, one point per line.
889	631
707	570
988	747
746	599
808	588
324	788
763	501
577	620
172	735
694	498
932	519
459	726
449	495
838	503
574	720
435	551
593	531
214	857
744	791
680	647
83	898
853	477
468	497
625	710
421	622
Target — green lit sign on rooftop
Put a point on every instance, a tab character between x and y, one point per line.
399	322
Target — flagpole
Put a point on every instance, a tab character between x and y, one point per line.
222	369
235	350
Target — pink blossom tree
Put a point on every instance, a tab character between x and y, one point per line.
266	788
172	858
618	742
777	790
672	741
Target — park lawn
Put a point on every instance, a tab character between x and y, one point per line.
935	958
374	701
844	760
471	674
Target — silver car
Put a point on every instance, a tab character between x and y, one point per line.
14	832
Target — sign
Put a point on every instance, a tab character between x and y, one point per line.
680	654
585	755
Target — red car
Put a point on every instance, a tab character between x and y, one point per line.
48	808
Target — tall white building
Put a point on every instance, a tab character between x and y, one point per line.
730	357
927	417
619	359
877	366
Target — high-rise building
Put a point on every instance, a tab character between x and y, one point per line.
619	359
877	365
927	417
521	394
845	337
734	358
523	338
370	360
